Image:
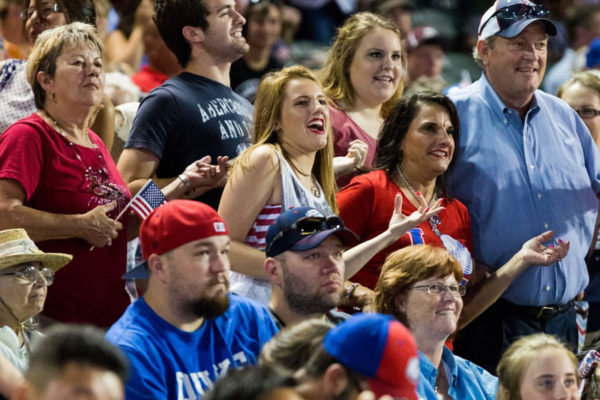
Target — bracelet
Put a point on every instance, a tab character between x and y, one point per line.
186	182
351	289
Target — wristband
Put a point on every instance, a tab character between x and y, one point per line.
186	182
351	289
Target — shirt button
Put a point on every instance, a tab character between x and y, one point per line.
539	196
532	166
505	121
546	226
547	288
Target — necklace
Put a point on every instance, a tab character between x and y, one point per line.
434	220
58	128
314	189
410	188
298	169
314	185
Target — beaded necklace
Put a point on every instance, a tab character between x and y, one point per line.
58	128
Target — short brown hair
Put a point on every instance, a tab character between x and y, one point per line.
336	72
516	359
49	46
405	267
171	16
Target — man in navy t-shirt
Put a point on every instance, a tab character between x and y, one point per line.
194	114
187	330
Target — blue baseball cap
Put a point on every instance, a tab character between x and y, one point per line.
379	348
304	228
508	18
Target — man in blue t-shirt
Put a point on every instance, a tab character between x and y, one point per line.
187	330
194	114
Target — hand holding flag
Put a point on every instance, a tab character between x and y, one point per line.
147	199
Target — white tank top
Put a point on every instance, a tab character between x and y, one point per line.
293	194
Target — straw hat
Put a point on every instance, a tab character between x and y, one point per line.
16	248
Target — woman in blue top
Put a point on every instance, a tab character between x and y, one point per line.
419	285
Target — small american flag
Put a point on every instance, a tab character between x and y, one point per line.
147	199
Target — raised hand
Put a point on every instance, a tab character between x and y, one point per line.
534	252
400	223
97	228
357	152
143	13
201	173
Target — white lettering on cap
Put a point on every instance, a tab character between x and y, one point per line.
219	226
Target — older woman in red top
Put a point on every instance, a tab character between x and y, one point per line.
58	181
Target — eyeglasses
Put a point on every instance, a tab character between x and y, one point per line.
508	15
441	288
587	112
30	273
43	11
308	226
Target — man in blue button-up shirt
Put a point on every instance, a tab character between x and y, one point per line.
528	164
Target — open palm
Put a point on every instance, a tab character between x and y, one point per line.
400	223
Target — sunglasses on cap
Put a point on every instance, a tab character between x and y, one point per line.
307	226
508	15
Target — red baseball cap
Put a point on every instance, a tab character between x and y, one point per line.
174	224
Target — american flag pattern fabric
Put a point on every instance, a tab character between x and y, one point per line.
258	233
147	199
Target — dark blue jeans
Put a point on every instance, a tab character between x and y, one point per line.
486	338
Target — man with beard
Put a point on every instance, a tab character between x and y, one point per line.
186	330
305	265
